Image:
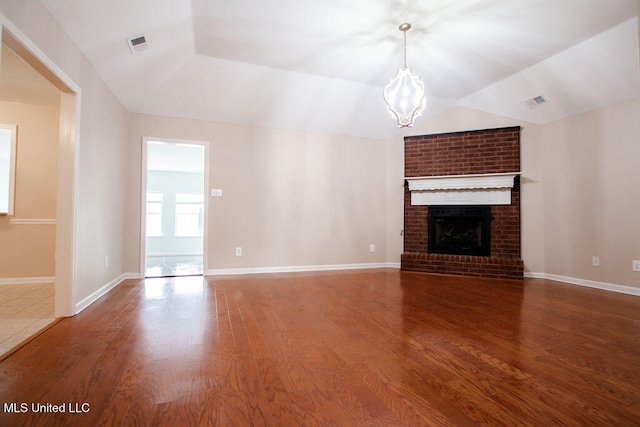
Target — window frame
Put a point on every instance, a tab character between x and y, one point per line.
10	170
160	213
178	230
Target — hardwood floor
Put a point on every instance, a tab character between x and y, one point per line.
355	348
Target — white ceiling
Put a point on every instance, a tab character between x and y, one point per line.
320	65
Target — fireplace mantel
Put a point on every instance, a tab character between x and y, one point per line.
474	189
467	168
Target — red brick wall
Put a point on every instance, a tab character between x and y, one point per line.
462	153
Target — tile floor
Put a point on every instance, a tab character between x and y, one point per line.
25	309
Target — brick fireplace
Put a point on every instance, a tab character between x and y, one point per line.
464	171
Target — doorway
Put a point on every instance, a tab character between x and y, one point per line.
38	276
174	207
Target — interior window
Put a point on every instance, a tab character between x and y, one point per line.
154	214
8	134
189	212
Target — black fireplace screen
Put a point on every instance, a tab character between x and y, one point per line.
460	230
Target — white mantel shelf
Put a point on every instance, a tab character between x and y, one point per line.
474	189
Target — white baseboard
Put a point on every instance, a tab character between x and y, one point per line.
299	268
86	302
171	255
583	282
26	280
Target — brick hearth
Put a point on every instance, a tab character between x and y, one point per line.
465	153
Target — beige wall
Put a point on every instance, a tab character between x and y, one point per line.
592	194
29	250
99	156
289	198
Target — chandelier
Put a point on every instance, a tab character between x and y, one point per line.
404	94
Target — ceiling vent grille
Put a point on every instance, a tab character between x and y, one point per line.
536	101
137	44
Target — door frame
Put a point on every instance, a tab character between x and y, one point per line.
68	159
143	200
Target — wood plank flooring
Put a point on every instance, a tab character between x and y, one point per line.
354	348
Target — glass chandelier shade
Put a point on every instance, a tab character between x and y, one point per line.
404	94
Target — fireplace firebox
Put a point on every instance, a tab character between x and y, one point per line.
460	230
463	170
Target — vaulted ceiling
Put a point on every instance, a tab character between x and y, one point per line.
321	65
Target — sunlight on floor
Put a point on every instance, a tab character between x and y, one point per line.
180	265
24	310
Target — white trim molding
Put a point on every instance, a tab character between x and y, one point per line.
473	189
587	283
299	268
86	302
28	221
26	280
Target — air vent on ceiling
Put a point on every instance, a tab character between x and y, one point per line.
137	44
536	101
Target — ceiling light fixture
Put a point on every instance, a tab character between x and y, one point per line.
404	94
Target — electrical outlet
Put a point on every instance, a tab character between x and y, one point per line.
216	192
106	261
372	248
238	251
595	261
635	265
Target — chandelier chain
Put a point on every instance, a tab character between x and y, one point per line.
404	50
